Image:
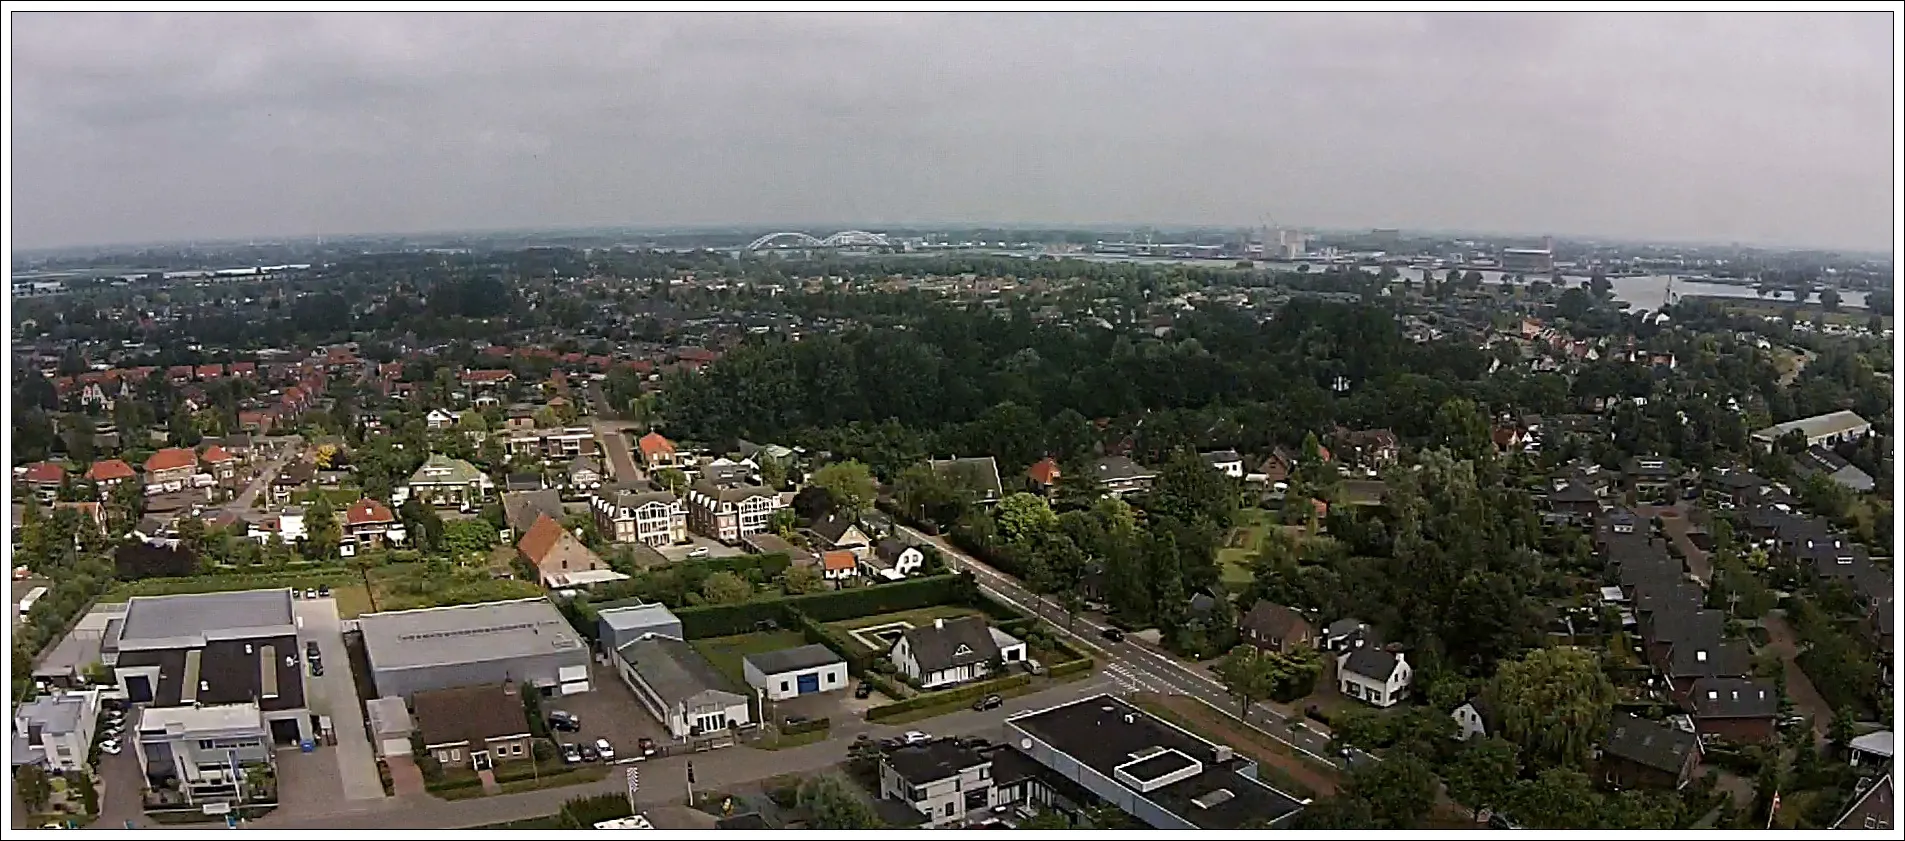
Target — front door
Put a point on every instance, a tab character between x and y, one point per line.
807	683
480	759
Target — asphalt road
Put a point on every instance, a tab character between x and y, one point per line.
665	780
1146	668
292	446
615	445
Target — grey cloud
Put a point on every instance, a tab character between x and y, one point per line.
1758	128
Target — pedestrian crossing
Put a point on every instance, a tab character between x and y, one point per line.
1129	680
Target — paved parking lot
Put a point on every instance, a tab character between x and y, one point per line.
839	707
715	548
609	712
335	694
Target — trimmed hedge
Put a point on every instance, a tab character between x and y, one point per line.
809	726
730	619
1070	667
586	812
859	658
948	697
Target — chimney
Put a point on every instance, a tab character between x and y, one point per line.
1222	754
939	622
1700	656
509	686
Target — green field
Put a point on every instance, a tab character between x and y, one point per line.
725	653
1233	559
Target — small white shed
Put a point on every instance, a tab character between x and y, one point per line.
793	672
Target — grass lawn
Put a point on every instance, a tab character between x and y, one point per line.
725	653
777	741
920	617
220	583
1277	764
352	600
1241	545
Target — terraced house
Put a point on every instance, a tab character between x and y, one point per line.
729	514
170	469
651	518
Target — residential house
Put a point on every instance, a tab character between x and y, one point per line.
1347	634
1571	501
43	478
839	565
836	531
1638	753
1227	462
651	518
730	514
1373	675
1043	474
203	752
1118	475
1874	749
439	420
1872	809
520	510
1737	709
222	465
1276	468
478	726
1370	449
211	650
893	560
554	552
658	453
681	689
109	474
1273	627
527	641
523	482
55	731
953	651
1649	477
550	444
369	524
170	469
793	672
1471	719
978	476
946	780
1820	459
445	482
291	479
584	475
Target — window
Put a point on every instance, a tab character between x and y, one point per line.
985	772
1871	822
832	677
783	686
951	808
205	744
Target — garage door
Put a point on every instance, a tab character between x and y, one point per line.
573	679
807	683
138	689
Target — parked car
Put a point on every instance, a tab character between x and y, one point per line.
645	746
607	750
570	754
990	702
589	753
699	552
564	721
863	691
311	648
1112	634
914	737
310	594
111	746
794	721
324	592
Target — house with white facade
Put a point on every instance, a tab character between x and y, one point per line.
893	561
203	752
681	689
56	731
1227	462
1373	675
729	514
793	672
651	518
954	651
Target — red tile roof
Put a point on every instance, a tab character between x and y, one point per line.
171	458
486	376
215	454
837	560
45	473
1045	472
540	539
368	511
109	470
210	372
654	444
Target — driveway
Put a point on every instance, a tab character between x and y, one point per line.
716	549
615	444
1806	698
335	695
609	712
121	789
1674	521
242	502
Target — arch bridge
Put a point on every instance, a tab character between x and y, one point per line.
797	239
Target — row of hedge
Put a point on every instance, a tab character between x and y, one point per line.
811	725
958	695
730	619
859	658
506	772
219	583
1079	661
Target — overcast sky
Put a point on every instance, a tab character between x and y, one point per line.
1756	128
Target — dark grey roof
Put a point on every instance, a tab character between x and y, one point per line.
979	475
1116	468
956	642
1726	658
899	814
1649	467
1222	457
725	475
227	673
674	669
1648	743
521	508
794	659
581	463
890	549
1271	619
1574	493
1372	662
1688	622
933	761
242	614
831	527
1733	697
1346	626
523	482
638	498
1738	479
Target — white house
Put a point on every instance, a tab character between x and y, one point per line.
1227	462
956	651
1377	677
839	565
1872	749
1469	720
892	560
439	419
793	672
56	731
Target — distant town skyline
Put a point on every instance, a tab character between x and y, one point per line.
1769	130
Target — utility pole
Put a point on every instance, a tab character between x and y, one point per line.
691	784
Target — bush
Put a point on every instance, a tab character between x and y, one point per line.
809	726
1070	667
586	812
947	697
731	619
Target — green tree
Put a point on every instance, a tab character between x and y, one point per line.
1483	773
1830	299
1400	790
1192	491
1559	798
773	472
1840	731
1047	819
674	480
1554	703
1343	811
33	787
831	804
800	579
1462	428
1023	516
850	485
322	534
1248	675
726	588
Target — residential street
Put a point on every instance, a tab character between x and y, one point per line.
615	445
1144	667
1806	698
292	446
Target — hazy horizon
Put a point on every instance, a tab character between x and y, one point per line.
1764	130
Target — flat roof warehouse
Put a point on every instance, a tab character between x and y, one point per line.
466	633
